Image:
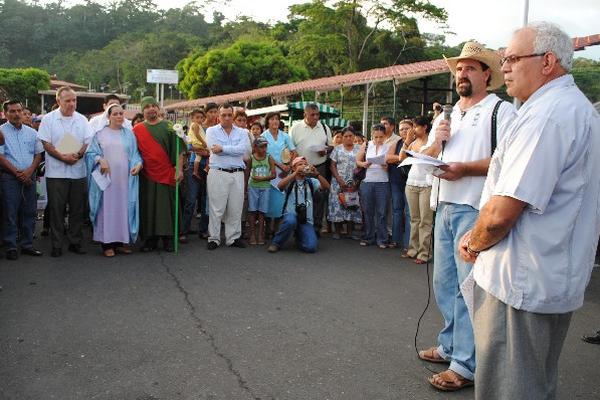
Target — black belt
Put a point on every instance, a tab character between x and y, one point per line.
230	170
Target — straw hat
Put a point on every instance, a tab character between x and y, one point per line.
476	51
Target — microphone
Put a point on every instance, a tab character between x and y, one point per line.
447	112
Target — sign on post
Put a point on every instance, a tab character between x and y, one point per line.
168	76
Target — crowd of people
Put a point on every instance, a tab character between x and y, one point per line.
509	178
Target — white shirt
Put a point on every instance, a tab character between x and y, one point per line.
550	159
376	172
54	125
235	146
98	122
470	140
303	136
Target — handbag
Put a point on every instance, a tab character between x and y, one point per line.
360	173
349	199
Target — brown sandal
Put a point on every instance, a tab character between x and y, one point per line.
451	381
109	253
432	355
123	250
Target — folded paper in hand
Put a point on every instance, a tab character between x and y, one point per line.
68	144
317	147
380	159
103	181
418	158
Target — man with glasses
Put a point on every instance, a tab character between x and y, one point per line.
535	239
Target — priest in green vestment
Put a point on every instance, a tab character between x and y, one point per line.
157	143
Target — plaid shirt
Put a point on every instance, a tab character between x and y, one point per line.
20	145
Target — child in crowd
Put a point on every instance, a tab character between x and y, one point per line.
198	141
256	130
337	138
359	139
262	170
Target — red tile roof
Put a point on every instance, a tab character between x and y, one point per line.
400	73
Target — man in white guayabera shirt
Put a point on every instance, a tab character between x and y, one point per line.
535	239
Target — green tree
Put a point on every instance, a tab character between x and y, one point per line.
243	65
587	76
23	84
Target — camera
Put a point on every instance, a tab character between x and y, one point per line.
301	213
307	170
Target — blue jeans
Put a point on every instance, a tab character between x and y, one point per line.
19	202
398	208
305	234
196	191
406	238
373	196
456	341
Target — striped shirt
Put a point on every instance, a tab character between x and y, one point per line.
20	145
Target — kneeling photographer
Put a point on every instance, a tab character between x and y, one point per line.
300	187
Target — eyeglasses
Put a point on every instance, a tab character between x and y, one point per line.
514	59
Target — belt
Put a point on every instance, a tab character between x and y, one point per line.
230	170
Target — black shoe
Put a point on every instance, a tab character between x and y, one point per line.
56	252
30	251
212	245
239	242
75	248
12	254
595	339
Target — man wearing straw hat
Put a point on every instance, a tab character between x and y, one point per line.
466	143
157	143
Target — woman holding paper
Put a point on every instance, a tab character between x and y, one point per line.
374	189
113	163
418	193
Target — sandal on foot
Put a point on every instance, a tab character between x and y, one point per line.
364	243
406	255
432	355
109	253
123	250
450	381
419	261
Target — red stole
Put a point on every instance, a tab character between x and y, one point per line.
157	164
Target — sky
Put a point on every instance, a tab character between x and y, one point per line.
488	21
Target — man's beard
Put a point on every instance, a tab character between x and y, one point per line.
465	91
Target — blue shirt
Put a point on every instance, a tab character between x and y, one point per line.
275	147
291	203
20	145
235	145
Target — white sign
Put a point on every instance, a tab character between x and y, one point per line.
162	76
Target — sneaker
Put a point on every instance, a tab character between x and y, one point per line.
272	248
239	242
212	245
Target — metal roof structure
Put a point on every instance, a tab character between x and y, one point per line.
399	73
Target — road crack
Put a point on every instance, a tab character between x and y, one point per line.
209	337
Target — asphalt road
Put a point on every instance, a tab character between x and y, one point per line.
234	324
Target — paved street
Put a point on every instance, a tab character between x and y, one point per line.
234	324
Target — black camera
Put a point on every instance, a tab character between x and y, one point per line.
301	213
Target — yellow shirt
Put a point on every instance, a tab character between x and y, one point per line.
194	140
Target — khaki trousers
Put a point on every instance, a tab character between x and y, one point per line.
225	204
421	221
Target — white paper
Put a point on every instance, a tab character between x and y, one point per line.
103	181
380	159
419	158
467	288
68	144
317	147
277	179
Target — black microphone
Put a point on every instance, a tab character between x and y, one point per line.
447	112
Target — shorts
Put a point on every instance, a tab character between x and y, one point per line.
258	199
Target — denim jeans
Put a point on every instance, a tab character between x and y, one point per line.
305	234
18	201
398	208
195	191
373	196
456	341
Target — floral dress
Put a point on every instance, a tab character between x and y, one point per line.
346	162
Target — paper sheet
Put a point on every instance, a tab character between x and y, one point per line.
466	289
380	159
418	158
103	181
68	144
317	147
277	179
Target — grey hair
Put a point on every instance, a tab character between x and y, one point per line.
550	37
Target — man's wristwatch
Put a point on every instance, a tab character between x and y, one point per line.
471	251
